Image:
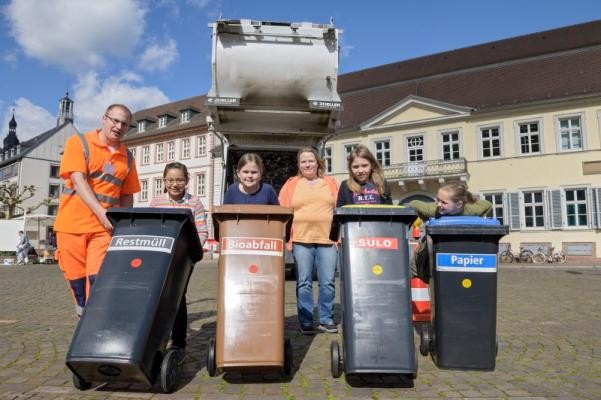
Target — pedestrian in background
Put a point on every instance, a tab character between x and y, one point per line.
312	196
99	173
22	249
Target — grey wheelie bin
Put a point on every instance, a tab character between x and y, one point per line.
250	290
463	263
125	325
375	292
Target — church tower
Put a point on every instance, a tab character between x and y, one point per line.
65	110
11	139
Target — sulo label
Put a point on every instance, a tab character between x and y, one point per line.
380	243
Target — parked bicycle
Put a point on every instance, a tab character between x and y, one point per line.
524	256
549	256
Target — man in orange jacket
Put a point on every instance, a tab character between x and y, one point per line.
99	173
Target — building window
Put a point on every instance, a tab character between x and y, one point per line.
133	152
158	187
186	148
54	191
162	122
145	155
450	145
382	149
415	148
200	184
185	116
54	171
170	151
202	146
144	190
534	209
529	138
497	206
160	152
576	211
327	158
570	133
52	209
141	126
491	142
348	149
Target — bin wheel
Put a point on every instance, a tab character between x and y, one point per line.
288	357
169	370
211	367
80	383
425	338
335	359
414	374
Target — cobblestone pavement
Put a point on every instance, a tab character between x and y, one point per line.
549	324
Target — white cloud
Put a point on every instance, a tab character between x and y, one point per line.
31	119
92	95
171	6
73	34
158	57
10	58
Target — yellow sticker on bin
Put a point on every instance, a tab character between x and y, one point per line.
466	283
377	269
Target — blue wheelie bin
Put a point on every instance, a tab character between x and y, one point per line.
125	325
463	262
375	292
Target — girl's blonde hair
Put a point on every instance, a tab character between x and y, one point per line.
376	176
321	166
458	191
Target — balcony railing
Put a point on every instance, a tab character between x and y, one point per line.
425	169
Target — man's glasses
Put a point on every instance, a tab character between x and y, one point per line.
172	181
116	121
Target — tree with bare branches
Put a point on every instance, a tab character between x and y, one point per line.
11	198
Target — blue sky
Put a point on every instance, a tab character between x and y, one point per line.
148	52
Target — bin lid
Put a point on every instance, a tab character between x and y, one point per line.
258	212
183	215
374	212
465	225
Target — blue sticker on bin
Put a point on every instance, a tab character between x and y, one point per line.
459	262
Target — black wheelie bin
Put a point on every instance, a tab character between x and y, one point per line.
463	264
125	325
250	291
375	292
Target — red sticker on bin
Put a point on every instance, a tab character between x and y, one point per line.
252	245
136	262
380	243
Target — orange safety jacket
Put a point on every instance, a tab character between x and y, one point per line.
109	175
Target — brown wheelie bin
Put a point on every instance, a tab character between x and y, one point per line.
250	291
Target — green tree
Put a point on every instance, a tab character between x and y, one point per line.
11	198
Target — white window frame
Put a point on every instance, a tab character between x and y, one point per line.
558	119
459	143
145	155
159	151
143	190
409	148
327	158
132	150
162	122
377	152
201	145
481	140
523	209
496	206
348	149
185	117
587	203
141	126
171	150
158	187
201	184
518	136
186	148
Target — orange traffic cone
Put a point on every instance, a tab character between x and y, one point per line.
420	296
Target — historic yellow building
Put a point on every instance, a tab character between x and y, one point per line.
519	120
